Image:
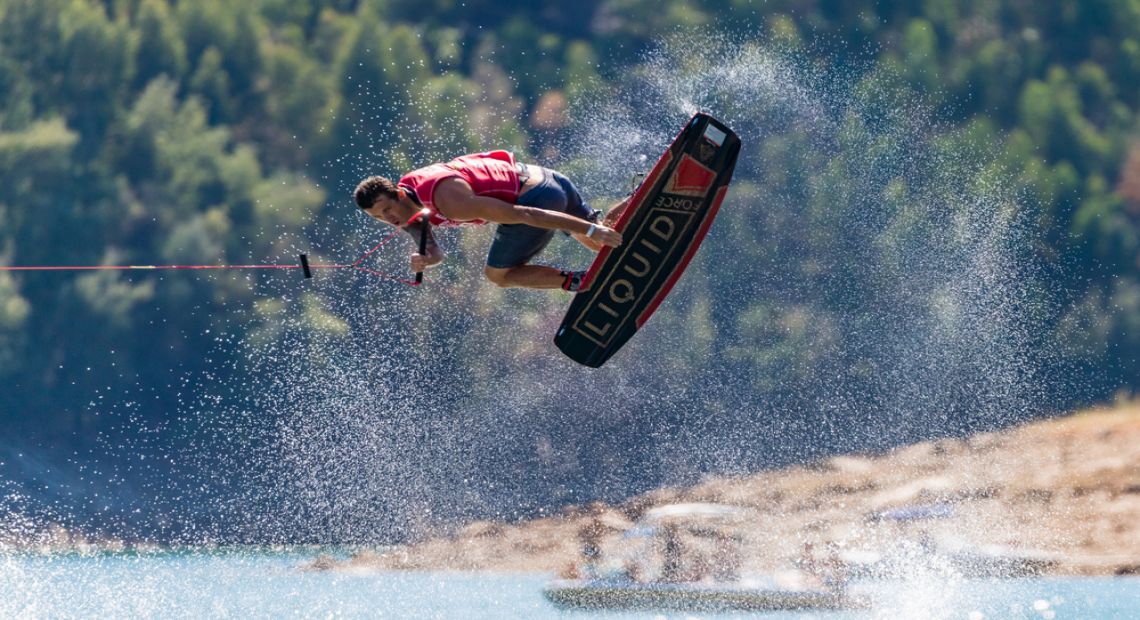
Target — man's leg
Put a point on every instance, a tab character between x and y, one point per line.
508	261
526	276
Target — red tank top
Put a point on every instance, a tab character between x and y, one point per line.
489	174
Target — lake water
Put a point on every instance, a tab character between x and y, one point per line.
271	585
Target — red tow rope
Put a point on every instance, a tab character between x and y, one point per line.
302	265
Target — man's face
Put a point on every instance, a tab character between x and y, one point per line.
389	210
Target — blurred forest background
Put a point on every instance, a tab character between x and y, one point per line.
210	131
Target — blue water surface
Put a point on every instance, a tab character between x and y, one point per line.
261	584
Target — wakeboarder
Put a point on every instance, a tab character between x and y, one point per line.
528	202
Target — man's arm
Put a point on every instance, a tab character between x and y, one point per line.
434	254
608	221
455	199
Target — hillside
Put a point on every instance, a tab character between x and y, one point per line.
1066	488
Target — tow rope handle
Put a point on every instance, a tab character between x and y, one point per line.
423	245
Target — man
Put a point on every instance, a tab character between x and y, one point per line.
529	203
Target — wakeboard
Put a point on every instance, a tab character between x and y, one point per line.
662	227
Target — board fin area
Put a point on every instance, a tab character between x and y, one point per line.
664	224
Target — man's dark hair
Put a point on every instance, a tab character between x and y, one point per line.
372	188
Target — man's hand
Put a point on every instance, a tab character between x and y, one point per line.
421	262
606	236
600	239
615	212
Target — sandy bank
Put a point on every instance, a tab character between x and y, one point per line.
1068	488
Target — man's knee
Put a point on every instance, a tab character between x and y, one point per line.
496	275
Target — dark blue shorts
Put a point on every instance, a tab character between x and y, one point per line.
516	244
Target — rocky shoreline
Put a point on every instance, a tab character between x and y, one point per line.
1065	491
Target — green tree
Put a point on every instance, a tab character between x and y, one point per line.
160	49
95	57
299	97
223	50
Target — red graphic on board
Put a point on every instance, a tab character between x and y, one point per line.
691	178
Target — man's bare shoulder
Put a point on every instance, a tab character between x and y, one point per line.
455	200
452	190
